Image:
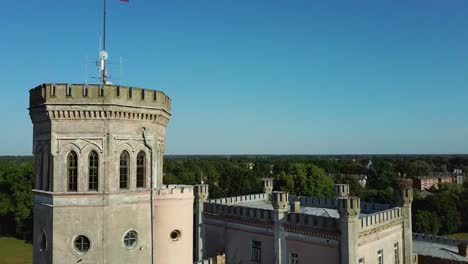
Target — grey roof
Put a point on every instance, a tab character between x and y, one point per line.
437	250
318	211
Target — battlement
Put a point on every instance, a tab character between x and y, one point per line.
93	94
438	239
238	211
238	199
174	191
300	220
368	207
379	219
329	203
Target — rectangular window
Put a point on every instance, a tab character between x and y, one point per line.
396	249
380	256
256	251
293	258
361	261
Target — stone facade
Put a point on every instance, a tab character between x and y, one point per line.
98	193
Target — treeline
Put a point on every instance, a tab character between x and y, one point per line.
442	212
16	200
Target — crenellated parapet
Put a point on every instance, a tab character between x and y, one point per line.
329	203
369	207
174	191
306	221
238	211
238	199
98	102
380	219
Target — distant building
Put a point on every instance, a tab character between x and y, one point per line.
434	179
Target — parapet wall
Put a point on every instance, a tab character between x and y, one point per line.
174	191
238	199
368	208
98	94
379	219
331	203
438	239
312	221
238	211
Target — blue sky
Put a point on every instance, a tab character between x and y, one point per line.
258	76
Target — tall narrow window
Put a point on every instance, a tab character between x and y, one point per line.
380	256
141	170
256	251
124	162
93	171
396	249
72	164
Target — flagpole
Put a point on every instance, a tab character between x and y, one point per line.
104	44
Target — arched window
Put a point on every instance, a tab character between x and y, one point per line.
124	169
141	170
72	166
93	171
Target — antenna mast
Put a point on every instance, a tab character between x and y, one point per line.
103	54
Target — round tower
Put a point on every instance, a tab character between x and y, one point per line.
98	159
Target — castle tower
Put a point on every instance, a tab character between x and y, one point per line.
98	179
201	196
349	209
280	203
406	198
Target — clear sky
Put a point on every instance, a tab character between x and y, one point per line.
258	76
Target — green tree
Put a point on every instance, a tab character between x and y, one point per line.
426	222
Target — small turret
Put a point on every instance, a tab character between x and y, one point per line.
406	198
406	190
279	200
267	185
341	190
349	207
201	191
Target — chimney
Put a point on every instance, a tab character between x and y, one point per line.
463	250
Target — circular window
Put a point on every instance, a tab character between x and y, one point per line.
175	235
130	239
82	244
43	244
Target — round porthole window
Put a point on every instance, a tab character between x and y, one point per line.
175	235
43	242
82	244
130	239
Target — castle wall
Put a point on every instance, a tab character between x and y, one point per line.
383	239
308	251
